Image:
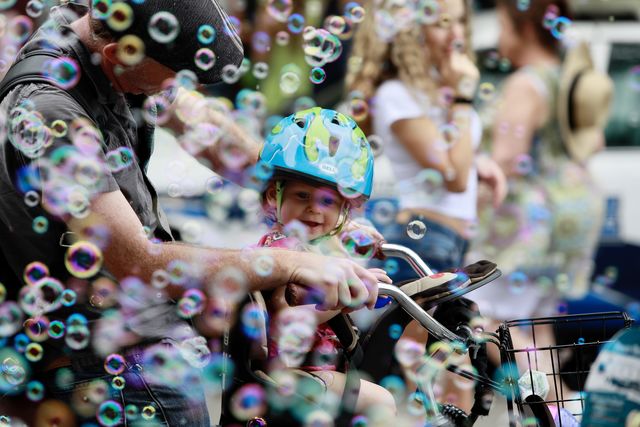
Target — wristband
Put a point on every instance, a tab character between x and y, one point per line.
461	100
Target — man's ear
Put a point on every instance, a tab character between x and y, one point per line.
110	53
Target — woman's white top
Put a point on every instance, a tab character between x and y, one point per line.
415	187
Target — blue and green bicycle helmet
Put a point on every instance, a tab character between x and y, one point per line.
321	146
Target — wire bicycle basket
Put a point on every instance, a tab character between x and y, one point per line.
565	364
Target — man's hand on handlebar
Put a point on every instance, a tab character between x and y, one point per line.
340	282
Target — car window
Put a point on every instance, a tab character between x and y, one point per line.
623	129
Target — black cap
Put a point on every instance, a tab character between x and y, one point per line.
176	46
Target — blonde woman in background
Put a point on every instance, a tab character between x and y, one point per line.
413	64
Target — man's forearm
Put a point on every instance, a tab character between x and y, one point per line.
212	269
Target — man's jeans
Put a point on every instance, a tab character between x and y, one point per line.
143	402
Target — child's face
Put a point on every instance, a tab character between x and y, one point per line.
318	208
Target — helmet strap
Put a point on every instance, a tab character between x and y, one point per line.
279	199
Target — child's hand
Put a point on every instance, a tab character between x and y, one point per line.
381	275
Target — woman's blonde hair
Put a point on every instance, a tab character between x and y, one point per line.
374	60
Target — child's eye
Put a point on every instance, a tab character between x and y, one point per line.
302	195
327	201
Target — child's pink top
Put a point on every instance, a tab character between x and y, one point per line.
326	342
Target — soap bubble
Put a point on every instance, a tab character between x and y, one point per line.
164	27
416	229
83	259
280	9
317	75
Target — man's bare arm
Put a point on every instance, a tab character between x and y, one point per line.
130	253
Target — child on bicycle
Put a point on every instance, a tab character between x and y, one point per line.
322	167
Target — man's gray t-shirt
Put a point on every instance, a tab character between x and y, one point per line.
118	133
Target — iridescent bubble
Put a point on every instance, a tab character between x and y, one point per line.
110	413
68	297
282	38
304	103
40	224
121	17
118	383
83	259
148	412
114	364
295	23
358	109
257	422
289	82
101	9
359	244
77	319
131	412
416	229
35	391
56	329
36	329
319	418
395	331
261	42
77	337
359	421
63	72
13	370
335	24
35	271
214	185
504	65
264	265
34	352
391	266
206	34
205	59
450	135
317	75
156	110
131	49
248	402
280	9
191	303
31	198
10	318
560	27
179	271
523	164
230	74
260	70
523	5
164	27
517	282
486	91
43	296
34	8
253	321
355	12
408	352
19	29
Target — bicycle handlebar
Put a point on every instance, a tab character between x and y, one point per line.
399	251
414	310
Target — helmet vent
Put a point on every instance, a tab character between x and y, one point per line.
333	145
300	123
